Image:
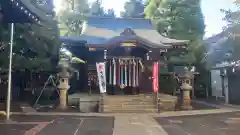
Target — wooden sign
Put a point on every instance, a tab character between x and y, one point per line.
91	49
128	44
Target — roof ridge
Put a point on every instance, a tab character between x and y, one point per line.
118	18
96	19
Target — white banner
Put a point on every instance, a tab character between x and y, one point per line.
101	76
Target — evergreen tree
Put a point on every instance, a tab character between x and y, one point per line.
34	46
182	19
232	31
97	9
81	6
71	17
134	9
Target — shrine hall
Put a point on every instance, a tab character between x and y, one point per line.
128	46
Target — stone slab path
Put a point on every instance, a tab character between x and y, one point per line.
137	125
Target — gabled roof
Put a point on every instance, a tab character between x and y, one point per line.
23	11
218	48
102	30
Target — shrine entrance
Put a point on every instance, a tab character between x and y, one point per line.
124	65
123	74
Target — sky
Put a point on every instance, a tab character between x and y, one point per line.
210	8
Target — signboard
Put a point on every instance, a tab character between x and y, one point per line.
155	77
101	76
91	49
129	44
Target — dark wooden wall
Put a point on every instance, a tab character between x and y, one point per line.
233	87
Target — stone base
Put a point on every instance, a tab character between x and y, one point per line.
62	107
167	102
118	91
88	106
134	91
110	90
186	107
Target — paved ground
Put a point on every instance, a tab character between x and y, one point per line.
60	125
211	124
221	121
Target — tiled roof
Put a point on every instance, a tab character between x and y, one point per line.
101	30
22	11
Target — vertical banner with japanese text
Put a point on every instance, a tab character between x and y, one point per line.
101	76
155	77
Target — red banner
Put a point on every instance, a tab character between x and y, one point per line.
155	77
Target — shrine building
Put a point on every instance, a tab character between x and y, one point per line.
129	47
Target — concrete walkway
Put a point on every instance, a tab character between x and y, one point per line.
137	125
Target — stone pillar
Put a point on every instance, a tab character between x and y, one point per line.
63	88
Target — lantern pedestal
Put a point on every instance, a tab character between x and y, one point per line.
63	89
184	101
185	97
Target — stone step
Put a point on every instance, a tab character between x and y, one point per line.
137	109
129	106
120	110
128	102
127	96
128	99
137	103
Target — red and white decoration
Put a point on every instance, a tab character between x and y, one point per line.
101	76
155	77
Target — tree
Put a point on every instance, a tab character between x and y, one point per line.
70	17
34	46
134	9
232	31
97	9
182	19
81	6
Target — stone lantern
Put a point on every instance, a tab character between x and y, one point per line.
186	87
63	87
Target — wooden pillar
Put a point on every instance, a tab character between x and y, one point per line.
117	89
